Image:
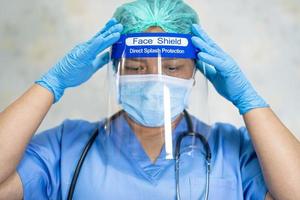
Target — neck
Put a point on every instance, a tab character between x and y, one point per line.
152	139
149	132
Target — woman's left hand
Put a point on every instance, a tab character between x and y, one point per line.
224	73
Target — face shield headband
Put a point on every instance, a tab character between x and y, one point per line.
165	45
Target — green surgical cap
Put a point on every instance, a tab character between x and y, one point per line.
173	16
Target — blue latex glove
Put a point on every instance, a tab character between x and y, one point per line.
224	73
81	62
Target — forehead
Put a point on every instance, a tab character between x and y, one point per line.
154	29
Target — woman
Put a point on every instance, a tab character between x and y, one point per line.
43	169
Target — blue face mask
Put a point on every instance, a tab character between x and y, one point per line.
151	100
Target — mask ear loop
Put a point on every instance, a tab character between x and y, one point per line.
194	74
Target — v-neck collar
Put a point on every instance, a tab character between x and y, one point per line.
125	139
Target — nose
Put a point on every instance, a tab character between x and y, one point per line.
153	66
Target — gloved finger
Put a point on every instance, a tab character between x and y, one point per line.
107	26
114	29
211	60
200	44
198	31
207	70
100	43
100	61
106	39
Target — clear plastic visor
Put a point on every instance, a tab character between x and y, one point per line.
153	95
174	67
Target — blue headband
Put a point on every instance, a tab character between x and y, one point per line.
139	45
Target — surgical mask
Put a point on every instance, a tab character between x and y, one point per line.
148	99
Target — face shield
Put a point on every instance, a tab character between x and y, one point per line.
157	102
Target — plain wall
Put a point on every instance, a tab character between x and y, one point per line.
262	36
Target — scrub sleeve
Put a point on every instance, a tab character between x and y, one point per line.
39	169
254	186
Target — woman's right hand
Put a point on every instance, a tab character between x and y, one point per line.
81	62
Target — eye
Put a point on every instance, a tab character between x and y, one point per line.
171	68
134	68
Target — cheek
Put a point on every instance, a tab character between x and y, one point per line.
189	70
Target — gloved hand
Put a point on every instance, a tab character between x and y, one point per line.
81	62
224	73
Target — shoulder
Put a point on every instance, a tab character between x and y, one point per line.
226	131
77	125
229	138
77	131
67	130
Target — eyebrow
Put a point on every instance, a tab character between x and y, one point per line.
135	59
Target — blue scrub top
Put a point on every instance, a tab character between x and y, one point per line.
117	167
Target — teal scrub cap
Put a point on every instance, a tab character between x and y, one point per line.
173	16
